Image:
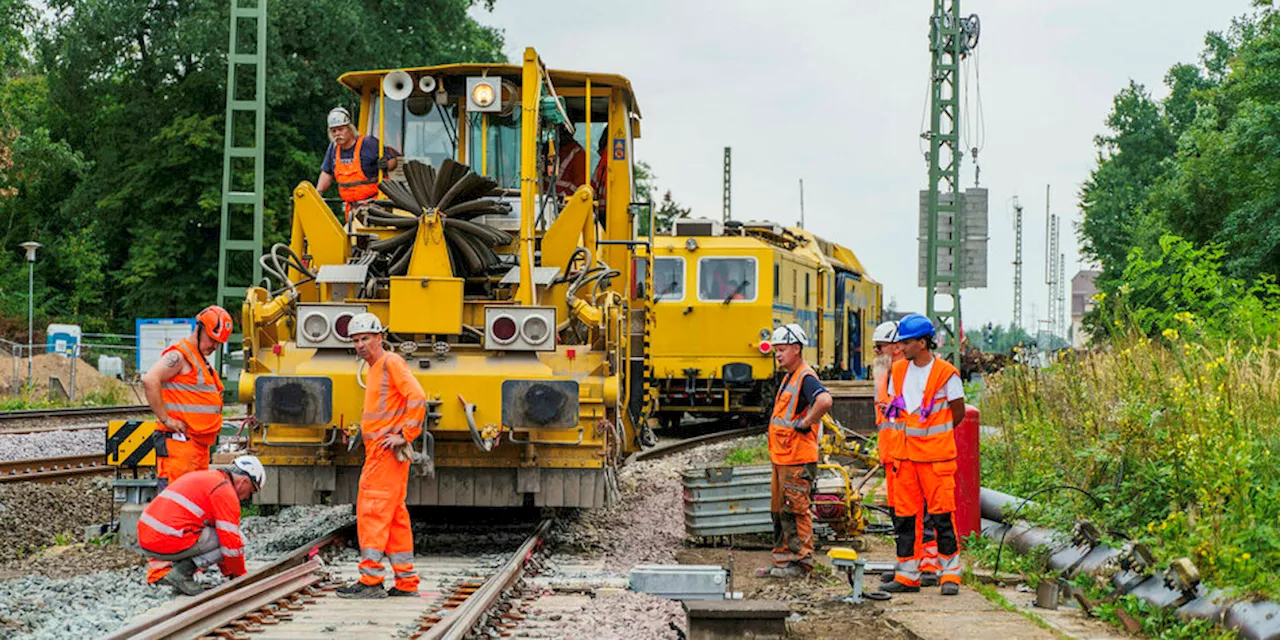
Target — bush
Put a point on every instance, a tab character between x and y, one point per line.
1176	436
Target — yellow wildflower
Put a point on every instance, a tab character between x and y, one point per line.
1245	557
1170	334
1100	296
1184	317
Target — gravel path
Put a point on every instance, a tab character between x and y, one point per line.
39	607
50	444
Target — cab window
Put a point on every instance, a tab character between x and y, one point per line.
727	279
418	128
668	278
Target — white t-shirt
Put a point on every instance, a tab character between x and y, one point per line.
914	382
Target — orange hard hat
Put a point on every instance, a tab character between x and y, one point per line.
216	322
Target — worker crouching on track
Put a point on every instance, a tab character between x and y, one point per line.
394	408
186	395
793	449
928	403
195	522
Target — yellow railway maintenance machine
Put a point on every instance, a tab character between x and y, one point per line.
505	294
719	289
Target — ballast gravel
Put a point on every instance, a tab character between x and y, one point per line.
269	537
626	615
37	515
39	608
49	444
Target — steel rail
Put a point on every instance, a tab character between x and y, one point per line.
44	469
72	412
664	450
463	619
231	594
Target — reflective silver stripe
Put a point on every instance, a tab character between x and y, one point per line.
150	521
182	500
405	574
374	555
937	406
368	416
384	388
889	425
950	566
229	527
401	557
908	569
369	571
917	432
413	403
183	386
232	553
193	408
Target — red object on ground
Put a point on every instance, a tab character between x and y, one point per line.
968	475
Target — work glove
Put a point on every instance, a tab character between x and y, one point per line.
383	162
800	427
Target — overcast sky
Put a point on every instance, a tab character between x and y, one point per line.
833	92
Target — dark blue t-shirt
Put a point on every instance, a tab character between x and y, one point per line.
368	156
810	388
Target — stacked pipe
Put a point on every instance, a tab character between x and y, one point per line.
459	195
1130	570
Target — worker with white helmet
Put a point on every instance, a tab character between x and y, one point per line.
353	161
394	409
195	522
793	449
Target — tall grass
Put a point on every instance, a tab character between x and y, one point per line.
1178	438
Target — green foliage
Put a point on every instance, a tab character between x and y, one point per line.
111	135
667	208
1175	436
62	538
996	338
753	451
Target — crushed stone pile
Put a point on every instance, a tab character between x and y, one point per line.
647	524
33	514
73	559
626	616
41	608
269	537
49	444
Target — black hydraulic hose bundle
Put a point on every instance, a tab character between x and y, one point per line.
457	193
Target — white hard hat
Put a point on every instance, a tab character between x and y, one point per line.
364	323
790	334
885	332
251	466
339	117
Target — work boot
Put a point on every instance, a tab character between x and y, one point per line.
182	578
928	579
397	592
361	591
950	589
886	577
791	571
898	587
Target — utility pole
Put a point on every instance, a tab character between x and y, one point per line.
1017	265
950	39
726	214
1051	267
801	203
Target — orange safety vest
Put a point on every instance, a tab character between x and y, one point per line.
174	521
927	430
353	184
889	431
786	445
194	397
393	403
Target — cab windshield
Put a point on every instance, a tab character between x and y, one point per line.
419	128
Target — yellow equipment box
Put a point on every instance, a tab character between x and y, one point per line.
129	443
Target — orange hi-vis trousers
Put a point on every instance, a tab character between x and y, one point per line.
382	521
920	484
792	521
925	537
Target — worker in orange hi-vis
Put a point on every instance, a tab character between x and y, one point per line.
927	399
186	396
888	431
793	450
394	409
195	522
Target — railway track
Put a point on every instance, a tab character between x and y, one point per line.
293	598
53	469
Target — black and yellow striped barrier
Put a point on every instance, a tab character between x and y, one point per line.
129	443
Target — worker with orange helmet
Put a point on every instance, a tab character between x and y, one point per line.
185	393
394	410
927	402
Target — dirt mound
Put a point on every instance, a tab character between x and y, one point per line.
52	365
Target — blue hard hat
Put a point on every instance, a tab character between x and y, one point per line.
914	326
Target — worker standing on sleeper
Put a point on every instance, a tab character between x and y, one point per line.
927	399
196	522
793	449
394	409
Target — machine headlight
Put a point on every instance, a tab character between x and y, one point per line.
535	330
315	326
340	325
482	95
503	329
